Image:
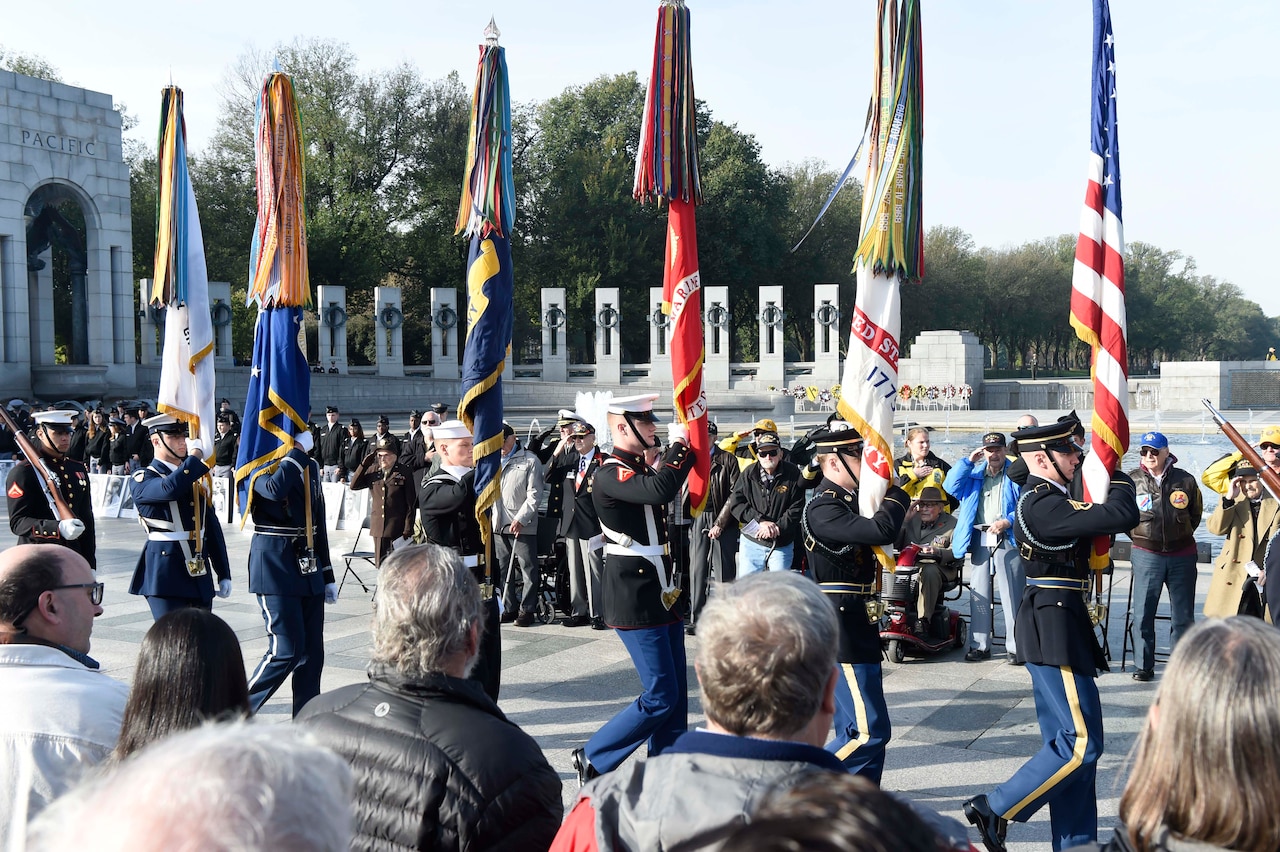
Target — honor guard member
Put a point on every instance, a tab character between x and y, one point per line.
638	589
1056	640
394	505
841	560
173	571
413	447
31	515
291	573
447	505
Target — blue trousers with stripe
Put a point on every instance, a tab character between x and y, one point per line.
661	713
295	644
1063	773
862	720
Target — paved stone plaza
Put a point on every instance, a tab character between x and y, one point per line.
959	728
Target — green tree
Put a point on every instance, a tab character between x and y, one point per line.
31	64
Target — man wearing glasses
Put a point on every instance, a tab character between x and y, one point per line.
1164	546
767	499
841	560
31	515
58	715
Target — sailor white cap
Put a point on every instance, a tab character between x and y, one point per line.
640	404
62	417
166	423
450	429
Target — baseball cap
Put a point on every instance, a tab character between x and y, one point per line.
993	439
1155	440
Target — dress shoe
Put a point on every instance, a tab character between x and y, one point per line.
583	767
1014	661
1144	675
976	654
690	630
525	619
508	616
575	621
991	828
597	623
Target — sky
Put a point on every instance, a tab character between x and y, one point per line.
1006	86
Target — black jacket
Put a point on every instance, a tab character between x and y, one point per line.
225	447
437	765
329	443
1169	510
781	503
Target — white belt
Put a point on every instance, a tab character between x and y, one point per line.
157	535
471	562
645	551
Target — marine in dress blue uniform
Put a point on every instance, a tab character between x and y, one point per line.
31	518
176	568
638	587
292	575
839	542
1057	641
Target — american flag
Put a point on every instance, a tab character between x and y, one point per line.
1097	283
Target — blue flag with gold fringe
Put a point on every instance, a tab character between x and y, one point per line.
278	401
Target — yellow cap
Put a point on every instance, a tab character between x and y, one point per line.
764	424
1270	435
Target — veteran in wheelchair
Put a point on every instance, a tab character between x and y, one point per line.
917	617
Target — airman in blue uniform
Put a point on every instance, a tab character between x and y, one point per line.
1057	641
177	566
291	573
839	542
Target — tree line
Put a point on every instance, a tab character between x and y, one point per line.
385	156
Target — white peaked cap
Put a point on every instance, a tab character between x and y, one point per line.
450	429
55	418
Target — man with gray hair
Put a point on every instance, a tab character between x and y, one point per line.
222	786
437	765
767	667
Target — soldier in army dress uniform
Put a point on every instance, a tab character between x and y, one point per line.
394	495
447	505
291	573
638	589
1057	641
31	517
841	560
174	569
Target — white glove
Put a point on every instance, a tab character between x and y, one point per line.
224	588
677	432
304	441
195	447
71	529
331	593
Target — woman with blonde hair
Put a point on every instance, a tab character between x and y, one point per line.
919	467
1207	764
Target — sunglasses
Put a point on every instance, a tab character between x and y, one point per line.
767	454
1148	451
1270	447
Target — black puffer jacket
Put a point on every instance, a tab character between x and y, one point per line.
437	766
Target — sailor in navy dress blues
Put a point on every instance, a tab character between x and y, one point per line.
31	517
447	508
291	573
638	587
1056	639
174	570
839	542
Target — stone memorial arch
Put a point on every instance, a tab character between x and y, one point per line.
66	258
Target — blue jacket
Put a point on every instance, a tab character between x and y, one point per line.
162	567
280	501
964	483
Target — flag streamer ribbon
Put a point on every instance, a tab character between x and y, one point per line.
278	258
667	169
181	282
486	213
891	246
1097	281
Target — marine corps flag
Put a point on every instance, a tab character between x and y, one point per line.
891	248
667	168
279	397
181	283
1097	282
486	213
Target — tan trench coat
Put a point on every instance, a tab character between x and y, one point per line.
1242	544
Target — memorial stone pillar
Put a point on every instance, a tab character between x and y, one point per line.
607	321
331	339
659	338
715	327
445	319
151	324
555	324
389	330
220	313
771	369
826	334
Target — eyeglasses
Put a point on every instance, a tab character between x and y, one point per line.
1148	451
767	454
579	437
1272	447
95	596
